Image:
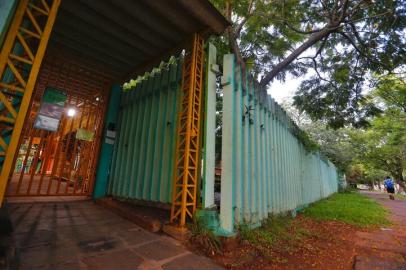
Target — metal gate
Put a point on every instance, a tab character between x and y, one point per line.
61	162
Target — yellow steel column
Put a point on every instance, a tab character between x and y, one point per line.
187	156
24	27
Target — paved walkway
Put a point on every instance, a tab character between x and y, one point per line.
386	248
83	235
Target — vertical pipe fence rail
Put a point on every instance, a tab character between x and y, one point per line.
265	167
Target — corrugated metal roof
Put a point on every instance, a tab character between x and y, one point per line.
123	35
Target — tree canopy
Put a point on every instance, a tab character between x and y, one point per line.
346	46
367	154
383	144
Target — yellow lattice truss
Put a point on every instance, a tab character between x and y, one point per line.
20	60
188	141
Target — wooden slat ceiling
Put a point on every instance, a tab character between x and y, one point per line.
122	35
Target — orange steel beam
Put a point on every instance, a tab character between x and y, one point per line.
187	155
16	111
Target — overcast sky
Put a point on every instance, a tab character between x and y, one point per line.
284	90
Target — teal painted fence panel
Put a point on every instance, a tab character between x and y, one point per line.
107	143
7	9
142	164
265	168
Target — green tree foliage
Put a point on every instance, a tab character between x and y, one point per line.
333	144
219	119
367	154
364	174
381	148
348	45
383	145
392	91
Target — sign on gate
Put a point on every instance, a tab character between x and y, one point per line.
84	135
51	110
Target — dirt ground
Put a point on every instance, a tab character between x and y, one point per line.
330	245
327	245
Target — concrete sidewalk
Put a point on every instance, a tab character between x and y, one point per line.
386	248
83	235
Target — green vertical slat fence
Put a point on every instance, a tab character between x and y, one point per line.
265	168
142	165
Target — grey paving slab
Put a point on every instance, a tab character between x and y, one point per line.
191	262
82	235
123	260
45	256
159	250
71	221
137	236
37	238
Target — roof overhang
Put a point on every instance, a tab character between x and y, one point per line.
124	35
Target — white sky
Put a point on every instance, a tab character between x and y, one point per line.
284	90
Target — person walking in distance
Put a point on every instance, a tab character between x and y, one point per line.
390	187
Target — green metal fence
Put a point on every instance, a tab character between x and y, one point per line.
265	168
142	164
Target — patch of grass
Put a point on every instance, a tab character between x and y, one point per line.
204	238
268	233
347	189
274	230
352	208
400	196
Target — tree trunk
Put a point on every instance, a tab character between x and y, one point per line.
313	39
233	44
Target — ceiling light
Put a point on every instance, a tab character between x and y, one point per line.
71	112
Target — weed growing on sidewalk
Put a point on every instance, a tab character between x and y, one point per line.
204	238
